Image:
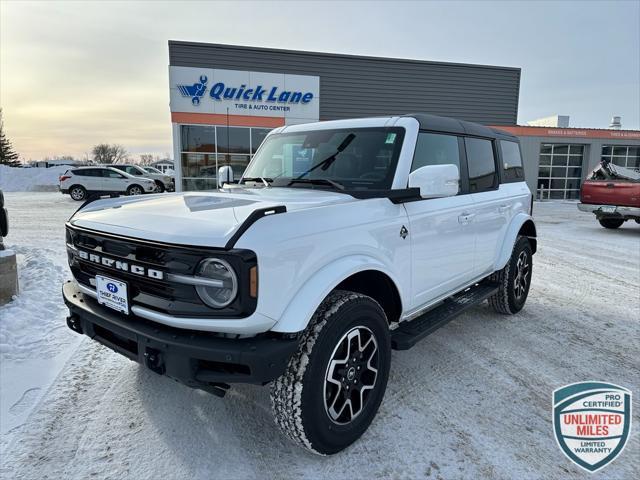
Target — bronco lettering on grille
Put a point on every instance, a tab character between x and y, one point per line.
121	265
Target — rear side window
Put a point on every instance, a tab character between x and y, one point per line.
482	165
88	172
512	161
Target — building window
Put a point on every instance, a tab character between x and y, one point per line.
623	156
204	147
560	171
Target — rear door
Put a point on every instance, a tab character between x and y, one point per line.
492	203
91	179
114	181
442	239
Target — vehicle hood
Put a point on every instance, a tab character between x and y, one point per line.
195	218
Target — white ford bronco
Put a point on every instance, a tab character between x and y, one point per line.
342	241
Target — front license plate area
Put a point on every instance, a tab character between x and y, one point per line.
112	293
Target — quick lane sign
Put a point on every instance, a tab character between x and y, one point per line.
294	97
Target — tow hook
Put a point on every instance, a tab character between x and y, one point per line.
153	361
73	322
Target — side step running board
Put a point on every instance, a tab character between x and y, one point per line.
411	332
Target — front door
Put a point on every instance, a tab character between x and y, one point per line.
440	229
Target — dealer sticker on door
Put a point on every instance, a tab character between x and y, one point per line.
112	293
592	421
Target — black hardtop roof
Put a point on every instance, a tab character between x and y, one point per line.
459	127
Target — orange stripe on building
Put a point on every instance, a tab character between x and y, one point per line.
222	119
570	132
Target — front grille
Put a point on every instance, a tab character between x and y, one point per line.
158	294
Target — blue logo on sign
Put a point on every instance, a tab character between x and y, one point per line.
194	91
112	288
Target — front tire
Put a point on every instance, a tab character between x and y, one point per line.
514	279
611	222
159	187
335	382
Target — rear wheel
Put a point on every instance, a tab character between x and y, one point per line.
514	279
135	190
335	382
159	187
78	193
611	222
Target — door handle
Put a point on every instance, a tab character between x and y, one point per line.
465	218
503	208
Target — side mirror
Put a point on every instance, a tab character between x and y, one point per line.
225	175
436	181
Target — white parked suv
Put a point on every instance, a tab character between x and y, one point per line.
82	182
163	182
343	240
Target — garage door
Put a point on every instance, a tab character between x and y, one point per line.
560	170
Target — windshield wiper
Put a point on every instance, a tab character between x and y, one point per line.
326	163
265	181
317	181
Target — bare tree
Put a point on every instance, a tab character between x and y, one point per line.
146	159
105	153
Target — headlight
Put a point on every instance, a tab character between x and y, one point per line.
219	283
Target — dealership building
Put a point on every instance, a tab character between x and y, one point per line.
224	99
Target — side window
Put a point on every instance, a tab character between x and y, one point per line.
132	171
482	165
111	174
80	173
512	161
436	149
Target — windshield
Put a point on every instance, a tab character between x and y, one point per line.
152	170
355	158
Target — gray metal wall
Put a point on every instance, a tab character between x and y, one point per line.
352	86
593	152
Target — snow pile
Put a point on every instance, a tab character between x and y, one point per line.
30	179
35	342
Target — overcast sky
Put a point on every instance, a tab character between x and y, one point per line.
73	74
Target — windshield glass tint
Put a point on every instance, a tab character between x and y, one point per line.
358	158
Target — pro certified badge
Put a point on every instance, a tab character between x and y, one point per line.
592	421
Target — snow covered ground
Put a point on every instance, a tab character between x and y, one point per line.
473	400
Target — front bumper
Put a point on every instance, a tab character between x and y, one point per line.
602	211
196	359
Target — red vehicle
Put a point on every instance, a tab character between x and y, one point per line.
612	193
